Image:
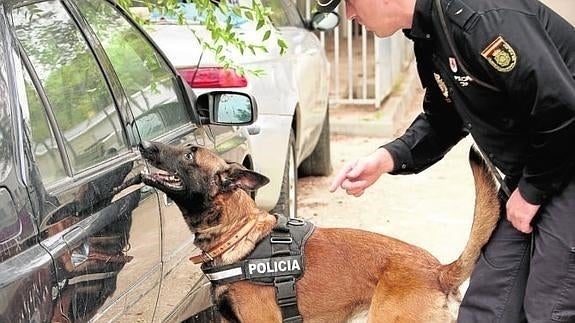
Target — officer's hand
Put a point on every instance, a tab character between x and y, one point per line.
356	176
520	212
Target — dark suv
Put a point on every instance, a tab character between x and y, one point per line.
80	87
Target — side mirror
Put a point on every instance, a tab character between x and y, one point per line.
227	108
324	21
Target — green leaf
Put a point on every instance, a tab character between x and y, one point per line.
267	35
220	33
229	24
260	24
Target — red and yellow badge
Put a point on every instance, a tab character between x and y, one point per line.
500	55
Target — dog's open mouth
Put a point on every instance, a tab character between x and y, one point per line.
166	179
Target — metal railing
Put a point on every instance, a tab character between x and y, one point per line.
364	68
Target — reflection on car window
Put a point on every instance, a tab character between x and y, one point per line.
278	15
42	141
74	84
233	108
147	81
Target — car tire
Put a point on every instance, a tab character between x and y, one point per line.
286	204
319	162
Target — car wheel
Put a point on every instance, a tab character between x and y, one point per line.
319	162
288	196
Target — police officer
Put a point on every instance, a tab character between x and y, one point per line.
503	71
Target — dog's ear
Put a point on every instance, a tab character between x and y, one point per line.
237	176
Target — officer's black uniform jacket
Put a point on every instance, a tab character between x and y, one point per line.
523	119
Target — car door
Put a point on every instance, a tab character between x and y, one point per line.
159	116
104	239
159	113
26	269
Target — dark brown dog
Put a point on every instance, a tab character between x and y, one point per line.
347	271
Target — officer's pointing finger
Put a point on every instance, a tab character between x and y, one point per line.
355	171
341	176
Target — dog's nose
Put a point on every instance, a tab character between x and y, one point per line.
146	146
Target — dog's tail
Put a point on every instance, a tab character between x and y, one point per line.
486	215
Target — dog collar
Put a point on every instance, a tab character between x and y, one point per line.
228	242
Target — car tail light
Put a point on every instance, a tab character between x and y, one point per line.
212	77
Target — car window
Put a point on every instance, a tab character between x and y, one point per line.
147	81
74	84
42	142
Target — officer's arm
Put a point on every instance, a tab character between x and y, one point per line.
538	81
430	136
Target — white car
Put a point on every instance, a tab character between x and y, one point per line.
292	128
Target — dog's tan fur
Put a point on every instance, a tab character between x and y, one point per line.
346	270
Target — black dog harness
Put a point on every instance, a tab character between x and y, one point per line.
278	260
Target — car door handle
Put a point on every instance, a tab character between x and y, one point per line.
80	254
77	245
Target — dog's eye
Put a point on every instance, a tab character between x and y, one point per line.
188	156
194	149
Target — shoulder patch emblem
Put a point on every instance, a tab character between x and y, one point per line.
500	55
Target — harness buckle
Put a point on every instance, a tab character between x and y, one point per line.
281	239
296	222
285	287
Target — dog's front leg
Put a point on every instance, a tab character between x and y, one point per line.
246	302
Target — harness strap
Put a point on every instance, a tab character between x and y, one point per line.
281	240
287	300
254	269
